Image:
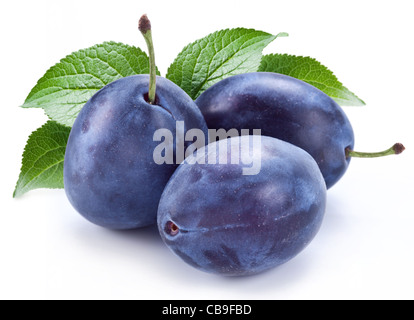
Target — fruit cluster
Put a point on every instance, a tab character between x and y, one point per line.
209	211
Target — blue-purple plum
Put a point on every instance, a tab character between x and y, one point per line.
285	108
110	175
221	221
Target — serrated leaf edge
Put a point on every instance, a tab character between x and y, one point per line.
326	69
16	192
69	56
170	73
32	103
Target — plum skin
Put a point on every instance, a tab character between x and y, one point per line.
110	176
285	108
220	221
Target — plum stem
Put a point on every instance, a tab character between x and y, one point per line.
144	26
395	149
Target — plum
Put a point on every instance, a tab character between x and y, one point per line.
110	176
220	220
285	108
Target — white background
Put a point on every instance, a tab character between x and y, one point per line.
365	249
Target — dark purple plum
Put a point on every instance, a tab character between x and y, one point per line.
285	108
220	221
110	176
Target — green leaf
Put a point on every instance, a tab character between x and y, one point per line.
68	85
313	72
42	164
220	55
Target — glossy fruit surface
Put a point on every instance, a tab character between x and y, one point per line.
110	175
285	108
221	221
